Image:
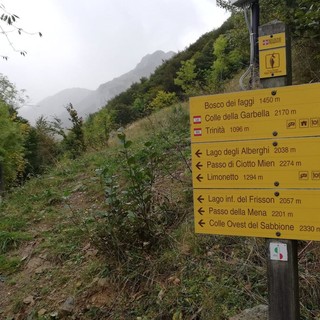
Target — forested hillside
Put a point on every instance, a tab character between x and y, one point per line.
96	221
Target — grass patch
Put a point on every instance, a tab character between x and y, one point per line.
9	265
12	239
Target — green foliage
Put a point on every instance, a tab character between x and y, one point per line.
11	146
10	94
8	265
220	66
307	19
186	78
41	148
137	216
12	232
238	37
163	99
228	60
10	239
162	78
306	70
123	114
139	106
225	4
73	143
97	129
24	150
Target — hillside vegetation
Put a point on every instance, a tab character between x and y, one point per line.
99	225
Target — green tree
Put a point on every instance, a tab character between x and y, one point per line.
187	78
123	114
305	24
12	135
307	19
97	129
73	142
139	106
41	148
10	94
228	60
163	99
77	127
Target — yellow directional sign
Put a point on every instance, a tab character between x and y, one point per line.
255	162
292	111
283	163
283	214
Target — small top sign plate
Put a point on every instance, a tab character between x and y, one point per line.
272	41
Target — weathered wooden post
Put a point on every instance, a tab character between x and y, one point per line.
283	283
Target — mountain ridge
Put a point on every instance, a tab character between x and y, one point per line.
88	101
110	89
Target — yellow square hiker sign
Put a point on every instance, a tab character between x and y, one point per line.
273	63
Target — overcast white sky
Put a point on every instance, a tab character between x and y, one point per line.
86	43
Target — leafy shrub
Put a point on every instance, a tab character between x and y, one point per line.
11	146
137	216
73	143
97	129
163	99
187	78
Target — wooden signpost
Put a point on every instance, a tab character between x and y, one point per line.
283	277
